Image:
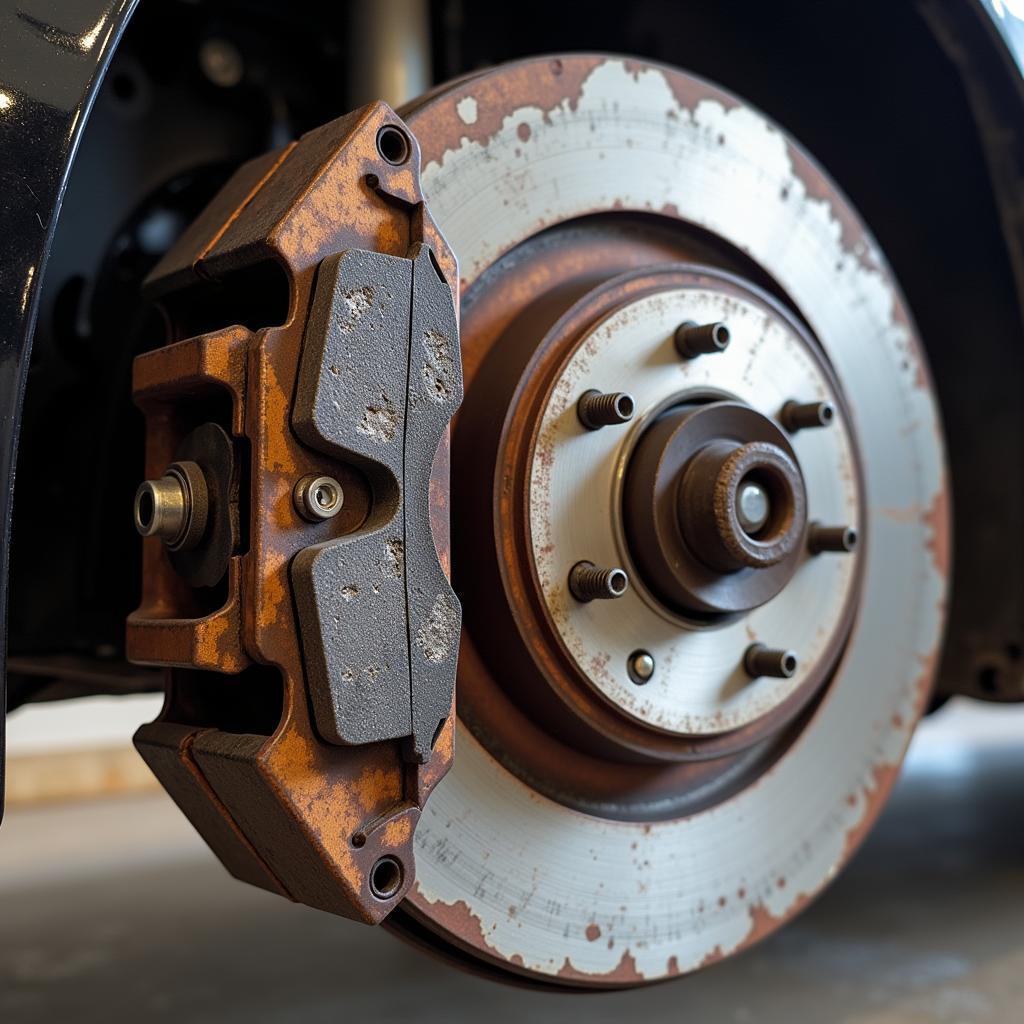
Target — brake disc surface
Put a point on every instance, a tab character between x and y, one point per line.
600	828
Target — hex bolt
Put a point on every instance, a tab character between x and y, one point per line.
588	582
597	409
761	660
318	498
173	508
831	538
693	339
641	667
796	416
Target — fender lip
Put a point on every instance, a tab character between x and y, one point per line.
51	68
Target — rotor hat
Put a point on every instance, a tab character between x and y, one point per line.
682	512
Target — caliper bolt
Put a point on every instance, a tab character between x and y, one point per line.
796	416
831	538
587	582
761	660
693	339
640	667
597	409
173	508
318	498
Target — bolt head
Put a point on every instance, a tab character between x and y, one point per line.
753	506
641	667
318	498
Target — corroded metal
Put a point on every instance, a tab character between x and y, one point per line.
596	409
325	824
693	339
608	879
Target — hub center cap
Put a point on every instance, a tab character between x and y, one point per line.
682	513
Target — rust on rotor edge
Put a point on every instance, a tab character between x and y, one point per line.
235	744
476	109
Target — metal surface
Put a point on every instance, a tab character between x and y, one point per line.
831	538
390	56
325	823
796	416
760	660
577	482
596	409
693	339
318	498
588	582
580	898
164	508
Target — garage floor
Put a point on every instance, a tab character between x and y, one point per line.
114	911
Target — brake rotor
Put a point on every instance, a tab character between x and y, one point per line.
651	782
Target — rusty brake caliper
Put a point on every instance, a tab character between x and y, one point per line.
295	571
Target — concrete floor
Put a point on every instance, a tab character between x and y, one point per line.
114	911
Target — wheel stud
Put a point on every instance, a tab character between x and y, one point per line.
796	416
588	582
693	339
831	538
597	409
760	660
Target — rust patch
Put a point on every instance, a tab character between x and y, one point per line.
593	932
624	973
541	84
937	520
852	237
882	779
458	919
713	957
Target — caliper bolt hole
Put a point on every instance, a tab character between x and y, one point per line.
386	878
393	145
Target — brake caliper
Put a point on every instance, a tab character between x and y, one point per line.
295	572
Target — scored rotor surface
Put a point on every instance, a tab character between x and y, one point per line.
524	882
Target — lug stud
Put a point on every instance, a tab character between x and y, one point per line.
318	498
693	339
588	582
597	409
641	667
796	416
831	538
760	660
